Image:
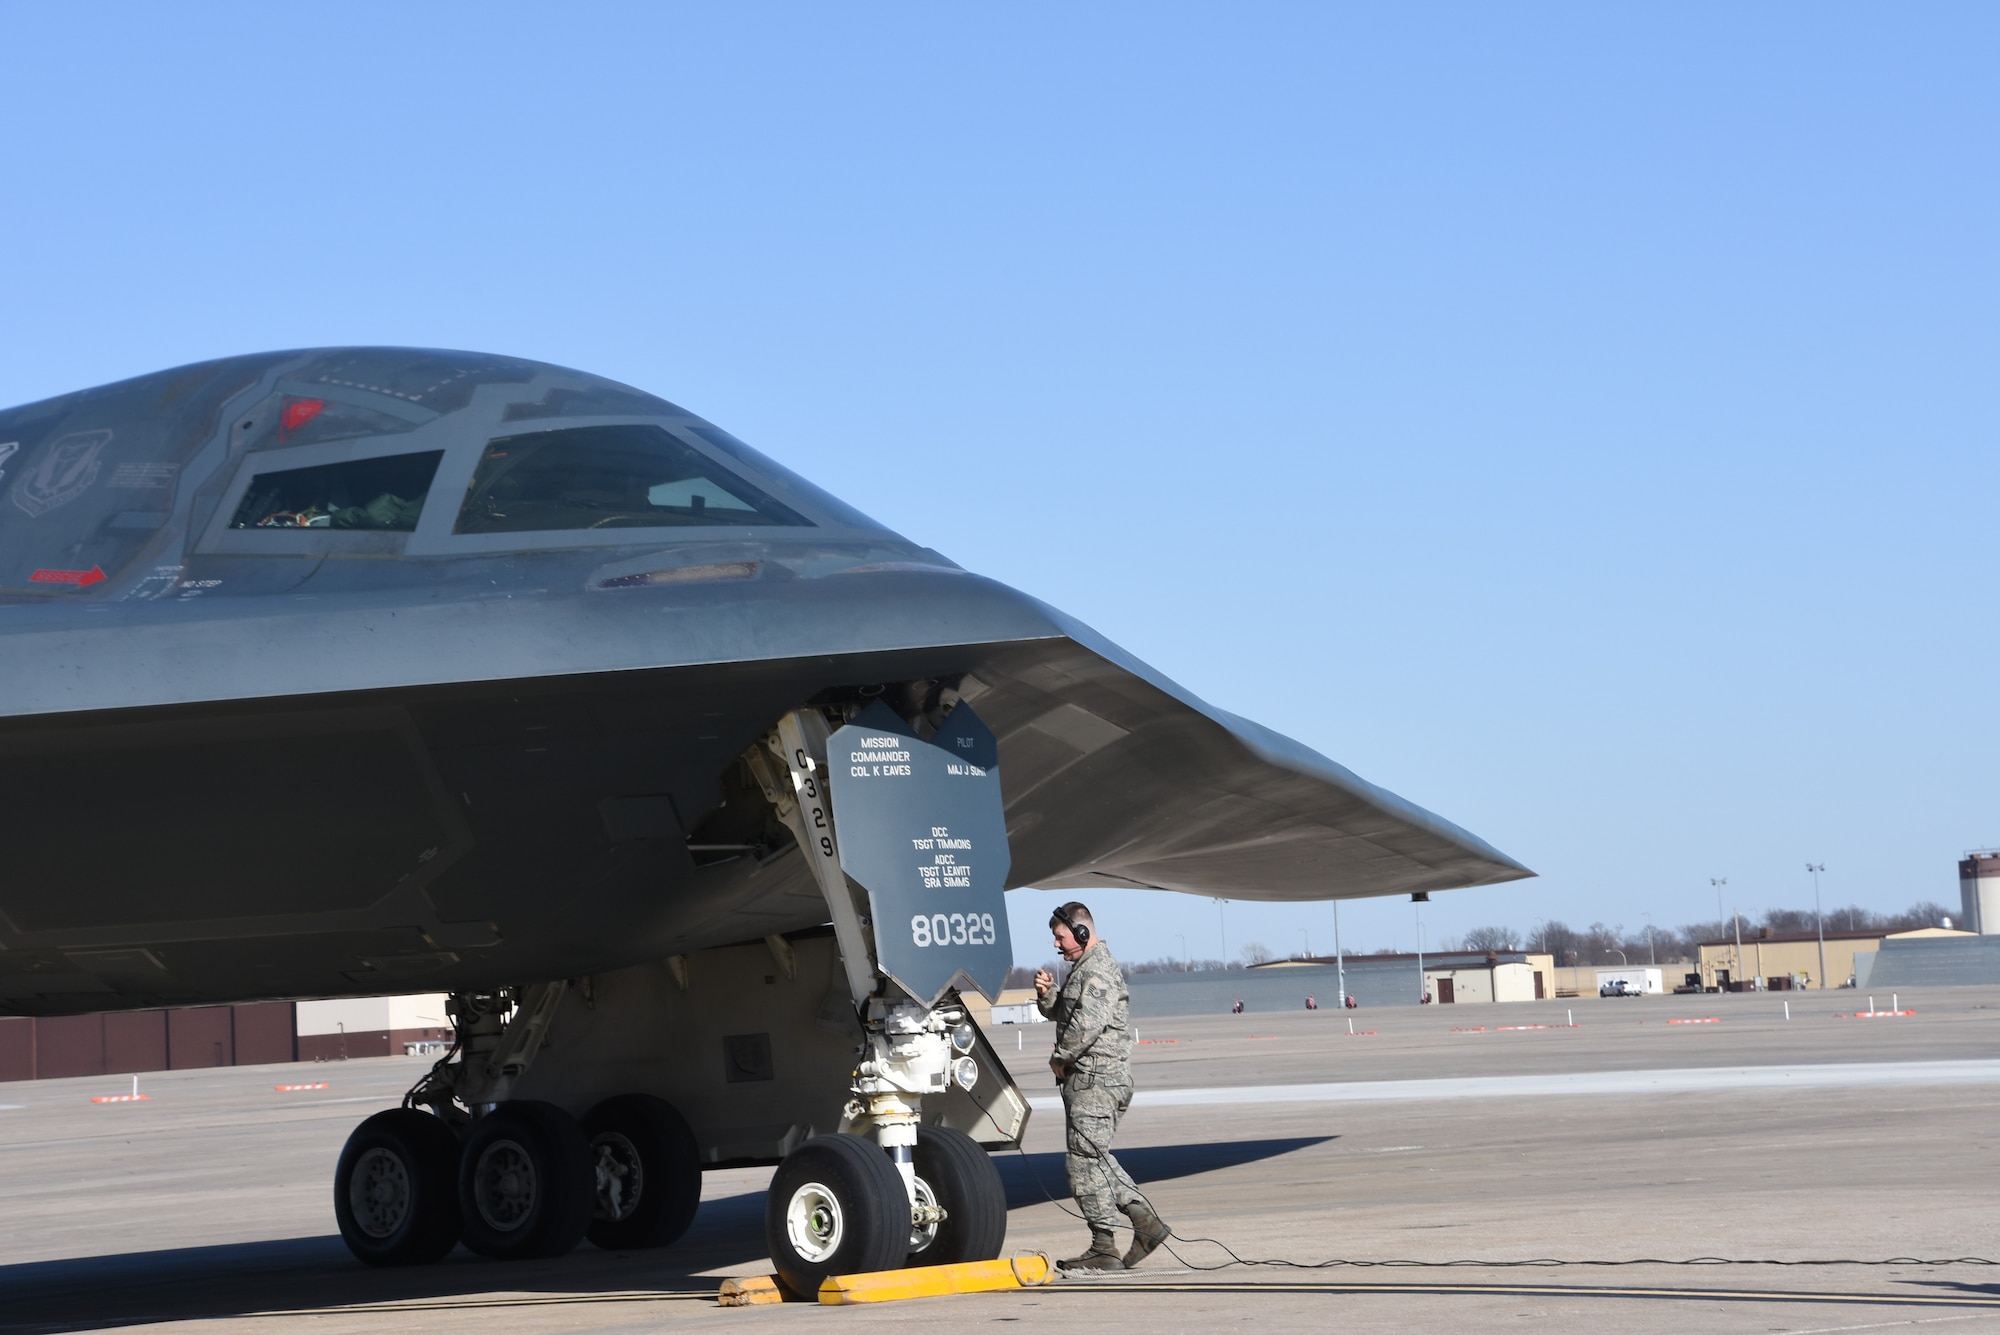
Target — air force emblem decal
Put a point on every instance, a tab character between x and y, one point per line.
63	473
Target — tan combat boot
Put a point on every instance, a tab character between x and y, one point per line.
1148	1232
1103	1255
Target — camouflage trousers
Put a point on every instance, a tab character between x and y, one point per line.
1092	1106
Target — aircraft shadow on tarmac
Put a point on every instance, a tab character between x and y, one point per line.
290	1274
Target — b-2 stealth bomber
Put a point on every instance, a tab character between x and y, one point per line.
365	670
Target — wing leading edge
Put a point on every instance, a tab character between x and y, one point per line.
1116	776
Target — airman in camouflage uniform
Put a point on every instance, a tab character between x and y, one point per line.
1093	1063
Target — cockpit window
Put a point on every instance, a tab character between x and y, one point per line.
384	493
786	482
596	477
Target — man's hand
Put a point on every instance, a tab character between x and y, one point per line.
1062	1071
1044	982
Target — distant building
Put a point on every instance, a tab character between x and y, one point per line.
131	1042
1979	892
185	1037
1015	1006
1774	961
373	1027
1450	977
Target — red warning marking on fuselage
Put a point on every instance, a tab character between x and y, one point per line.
83	579
288	1089
297	413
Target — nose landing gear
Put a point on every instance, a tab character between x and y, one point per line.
836	1207
920	1194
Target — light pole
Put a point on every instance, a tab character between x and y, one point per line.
1736	922
1222	922
1339	959
1651	956
1306	936
1418	901
1819	919
1187	965
1621	957
1718	882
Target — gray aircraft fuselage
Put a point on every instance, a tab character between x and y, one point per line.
365	670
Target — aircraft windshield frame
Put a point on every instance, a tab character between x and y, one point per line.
610	477
465	447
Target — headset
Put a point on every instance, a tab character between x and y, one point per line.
1081	931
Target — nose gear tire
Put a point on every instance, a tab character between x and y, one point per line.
964	1181
525	1182
837	1206
395	1190
646	1172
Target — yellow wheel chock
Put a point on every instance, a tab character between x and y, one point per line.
887	1286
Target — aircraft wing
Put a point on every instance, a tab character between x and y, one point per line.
497	736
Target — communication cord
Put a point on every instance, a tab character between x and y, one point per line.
1536	1263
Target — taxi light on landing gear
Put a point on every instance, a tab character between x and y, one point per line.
962	1036
966	1072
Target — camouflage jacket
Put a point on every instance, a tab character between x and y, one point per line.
1092	1013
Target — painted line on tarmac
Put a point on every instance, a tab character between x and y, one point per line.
486	1304
1113	1284
1691	1080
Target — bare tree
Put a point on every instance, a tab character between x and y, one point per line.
1553	937
1788	921
1923	913
1257	952
1172	964
1492	938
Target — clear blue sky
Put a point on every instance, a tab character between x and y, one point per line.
1579	419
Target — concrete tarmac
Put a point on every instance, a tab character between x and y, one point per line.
1460	1175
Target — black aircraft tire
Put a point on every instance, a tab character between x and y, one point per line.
525	1184
395	1190
837	1206
646	1172
963	1180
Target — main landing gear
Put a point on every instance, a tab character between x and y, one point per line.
754	1040
526	1180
